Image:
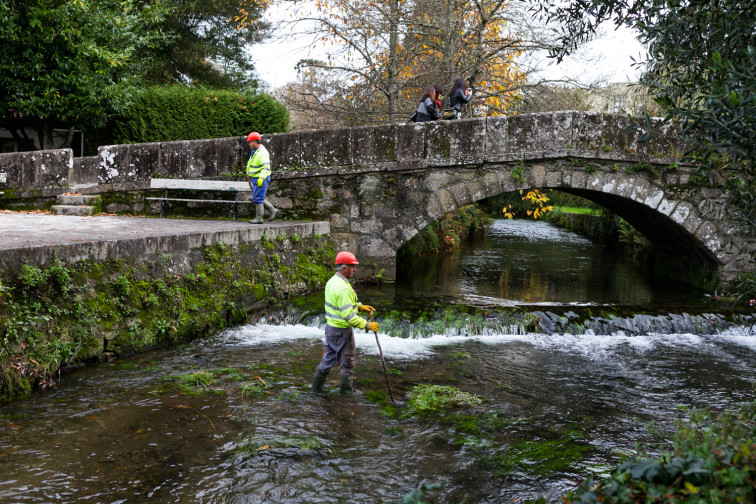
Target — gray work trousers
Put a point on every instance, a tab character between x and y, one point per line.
338	348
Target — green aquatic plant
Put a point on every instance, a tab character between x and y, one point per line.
424	399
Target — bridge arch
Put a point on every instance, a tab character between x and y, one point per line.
379	186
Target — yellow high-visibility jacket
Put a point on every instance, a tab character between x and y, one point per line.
341	304
259	164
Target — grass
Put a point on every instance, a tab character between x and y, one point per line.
576	210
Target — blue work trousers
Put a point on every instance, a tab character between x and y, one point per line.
258	193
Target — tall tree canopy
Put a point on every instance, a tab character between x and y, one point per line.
701	70
209	43
69	61
701	67
384	52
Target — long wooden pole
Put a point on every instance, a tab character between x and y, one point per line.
383	361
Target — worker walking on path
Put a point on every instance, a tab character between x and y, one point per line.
341	307
258	171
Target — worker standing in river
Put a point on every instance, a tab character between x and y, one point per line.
341	307
258	171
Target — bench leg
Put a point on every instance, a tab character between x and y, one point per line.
162	204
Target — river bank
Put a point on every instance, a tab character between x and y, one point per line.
67	312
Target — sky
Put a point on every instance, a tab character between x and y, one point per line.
276	60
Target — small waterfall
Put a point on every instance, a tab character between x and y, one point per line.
464	320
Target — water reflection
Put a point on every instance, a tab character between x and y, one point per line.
533	261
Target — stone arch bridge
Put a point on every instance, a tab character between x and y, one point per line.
379	186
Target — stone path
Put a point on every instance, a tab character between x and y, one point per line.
37	237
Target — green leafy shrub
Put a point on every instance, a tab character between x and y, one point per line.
712	460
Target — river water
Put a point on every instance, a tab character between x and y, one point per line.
230	419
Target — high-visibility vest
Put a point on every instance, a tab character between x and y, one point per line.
259	163
341	304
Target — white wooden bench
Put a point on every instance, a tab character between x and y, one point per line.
3	179
200	185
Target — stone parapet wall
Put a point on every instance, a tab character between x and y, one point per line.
392	147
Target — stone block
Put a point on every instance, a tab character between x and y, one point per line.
522	133
386	144
215	156
174	159
437	179
461	194
616	138
285	152
337	147
496	135
438	143
445	198
537	175
311	148
587	131
666	139
640	190
707	234
553	179
363	145
666	206
555	132
654	197
410	141
52	167
84	170
136	162
468	139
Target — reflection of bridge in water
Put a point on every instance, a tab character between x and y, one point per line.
378	186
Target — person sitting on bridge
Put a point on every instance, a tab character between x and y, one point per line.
341	307
427	110
258	171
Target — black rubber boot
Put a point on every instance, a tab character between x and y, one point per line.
318	381
259	209
346	385
272	211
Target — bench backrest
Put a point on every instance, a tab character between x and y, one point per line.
3	178
199	185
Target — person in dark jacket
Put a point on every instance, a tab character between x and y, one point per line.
459	95
427	110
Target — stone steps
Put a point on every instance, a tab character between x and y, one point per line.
75	204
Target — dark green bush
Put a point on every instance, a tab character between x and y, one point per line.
712	460
167	113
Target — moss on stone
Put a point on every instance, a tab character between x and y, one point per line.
53	317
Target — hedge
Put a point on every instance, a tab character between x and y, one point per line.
167	113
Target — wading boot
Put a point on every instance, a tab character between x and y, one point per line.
318	381
346	385
259	209
272	211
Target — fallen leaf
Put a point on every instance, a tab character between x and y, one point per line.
264	447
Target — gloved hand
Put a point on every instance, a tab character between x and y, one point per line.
371	326
366	308
260	182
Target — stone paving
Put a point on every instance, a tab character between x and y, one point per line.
37	237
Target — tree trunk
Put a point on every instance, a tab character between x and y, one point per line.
392	86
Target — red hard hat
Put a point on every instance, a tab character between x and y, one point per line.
254	136
345	257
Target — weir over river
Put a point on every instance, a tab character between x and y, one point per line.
573	350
